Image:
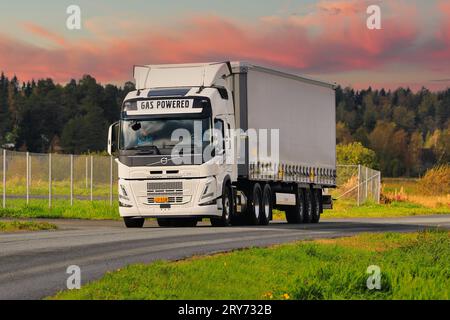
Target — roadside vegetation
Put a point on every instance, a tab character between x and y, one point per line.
17	226
82	209
402	197
413	266
39	187
399	197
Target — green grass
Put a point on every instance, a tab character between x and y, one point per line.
39	188
348	209
100	210
17	226
413	266
97	210
84	209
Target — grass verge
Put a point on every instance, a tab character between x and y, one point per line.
413	266
95	210
17	226
348	209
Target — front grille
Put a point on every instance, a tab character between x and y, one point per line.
151	200
173	187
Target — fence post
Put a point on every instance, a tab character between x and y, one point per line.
110	180
71	180
4	178
30	173
28	177
86	172
49	180
359	184
92	176
379	188
367	184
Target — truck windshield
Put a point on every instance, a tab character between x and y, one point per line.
160	136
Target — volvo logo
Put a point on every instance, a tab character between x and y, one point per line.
164	160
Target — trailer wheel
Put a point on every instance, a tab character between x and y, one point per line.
134	222
254	210
267	204
309	209
316	205
227	209
295	215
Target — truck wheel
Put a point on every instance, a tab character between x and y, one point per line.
164	222
266	205
296	214
134	222
227	209
316	205
255	208
307	218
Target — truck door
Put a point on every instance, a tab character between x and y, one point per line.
223	149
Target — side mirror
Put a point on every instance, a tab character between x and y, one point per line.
113	138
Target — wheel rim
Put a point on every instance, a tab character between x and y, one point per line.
301	208
256	206
226	206
266	206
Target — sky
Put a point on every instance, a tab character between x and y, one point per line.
325	39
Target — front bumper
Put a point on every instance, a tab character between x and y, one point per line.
172	212
140	196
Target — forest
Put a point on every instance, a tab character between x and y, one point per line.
408	131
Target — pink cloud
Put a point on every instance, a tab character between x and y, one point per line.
331	38
44	33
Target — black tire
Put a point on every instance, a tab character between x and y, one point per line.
309	206
317	207
254	210
295	214
134	222
164	222
227	209
267	206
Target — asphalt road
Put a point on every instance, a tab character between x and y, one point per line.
33	265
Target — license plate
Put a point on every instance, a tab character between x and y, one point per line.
161	199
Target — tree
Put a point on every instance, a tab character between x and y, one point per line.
343	135
356	153
415	149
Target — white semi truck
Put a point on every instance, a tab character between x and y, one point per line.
222	172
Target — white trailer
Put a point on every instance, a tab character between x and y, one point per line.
224	174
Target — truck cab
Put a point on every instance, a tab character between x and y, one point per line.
173	144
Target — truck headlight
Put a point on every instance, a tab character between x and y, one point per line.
123	193
207	191
124	205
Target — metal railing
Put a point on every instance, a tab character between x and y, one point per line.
29	176
359	183
26	176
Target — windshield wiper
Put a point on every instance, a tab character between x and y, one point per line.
146	149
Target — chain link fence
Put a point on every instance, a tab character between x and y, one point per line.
358	183
29	176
